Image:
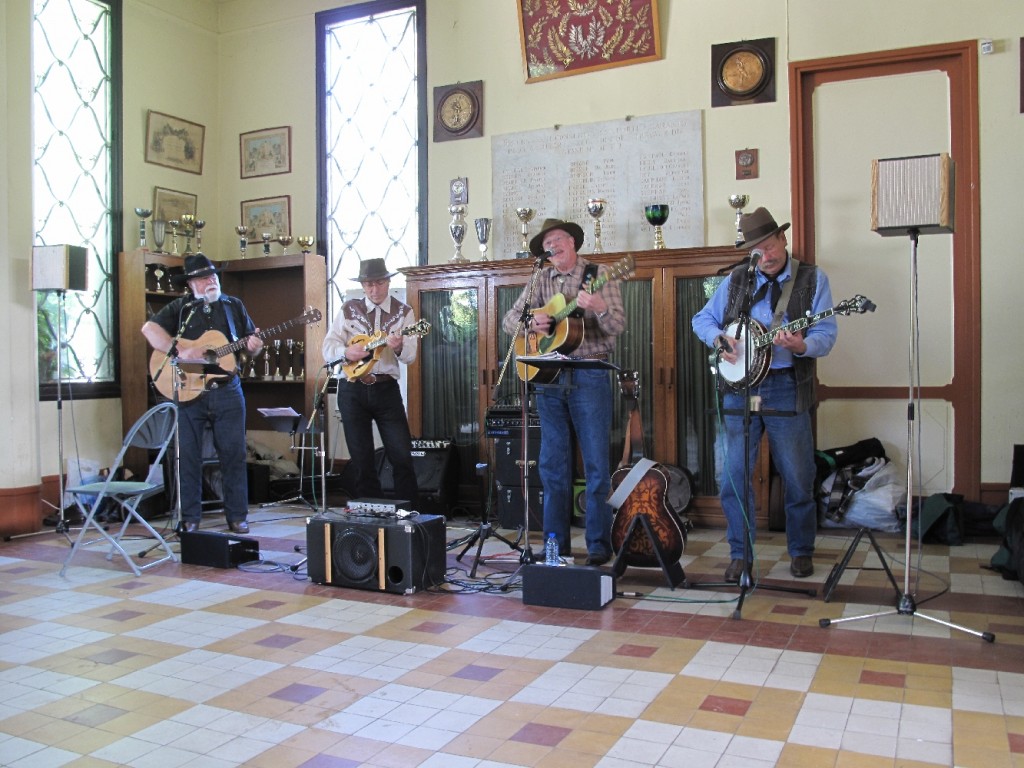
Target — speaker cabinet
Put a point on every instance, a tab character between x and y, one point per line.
508	452
437	475
401	556
510	506
912	193
59	268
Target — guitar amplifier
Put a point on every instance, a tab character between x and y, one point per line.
507	421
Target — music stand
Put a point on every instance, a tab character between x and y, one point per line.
288	420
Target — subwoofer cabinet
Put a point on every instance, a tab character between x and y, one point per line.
400	555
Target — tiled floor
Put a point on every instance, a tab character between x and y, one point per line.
189	665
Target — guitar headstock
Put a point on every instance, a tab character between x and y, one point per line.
622	268
629	384
311	315
420	328
858	304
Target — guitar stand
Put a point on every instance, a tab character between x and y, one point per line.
674	573
838	568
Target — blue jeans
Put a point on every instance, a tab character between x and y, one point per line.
583	404
223	409
360	406
791	443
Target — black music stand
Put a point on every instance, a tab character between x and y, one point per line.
287	420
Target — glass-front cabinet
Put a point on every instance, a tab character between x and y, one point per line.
462	374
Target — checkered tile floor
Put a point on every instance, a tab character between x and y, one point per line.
190	665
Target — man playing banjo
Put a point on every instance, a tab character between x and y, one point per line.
778	378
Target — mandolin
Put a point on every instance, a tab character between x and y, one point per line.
374	346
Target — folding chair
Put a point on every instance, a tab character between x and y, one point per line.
154	431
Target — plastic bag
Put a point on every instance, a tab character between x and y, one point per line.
874	505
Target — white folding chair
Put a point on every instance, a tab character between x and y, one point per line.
154	431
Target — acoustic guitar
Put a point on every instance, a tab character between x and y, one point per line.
218	359
566	332
374	346
647	501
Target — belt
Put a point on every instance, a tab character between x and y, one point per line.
370	379
779	371
218	383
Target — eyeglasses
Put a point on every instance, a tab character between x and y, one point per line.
376	283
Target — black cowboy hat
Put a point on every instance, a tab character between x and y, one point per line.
372	269
196	265
537	242
758	226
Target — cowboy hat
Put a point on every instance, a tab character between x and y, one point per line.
196	265
372	269
537	242
757	226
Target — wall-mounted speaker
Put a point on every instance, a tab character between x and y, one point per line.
59	267
437	474
912	193
376	553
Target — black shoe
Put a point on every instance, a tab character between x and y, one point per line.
598	559
801	566
732	573
189	527
238	526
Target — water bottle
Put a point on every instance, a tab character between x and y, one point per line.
551	551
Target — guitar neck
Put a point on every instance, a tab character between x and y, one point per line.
765	339
593	286
240	343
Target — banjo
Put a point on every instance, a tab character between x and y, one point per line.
758	350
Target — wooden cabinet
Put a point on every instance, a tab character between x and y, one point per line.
458	376
274	289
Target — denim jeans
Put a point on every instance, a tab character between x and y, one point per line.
224	410
791	443
578	399
360	406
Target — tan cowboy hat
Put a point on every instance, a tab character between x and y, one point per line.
372	269
196	265
757	226
537	242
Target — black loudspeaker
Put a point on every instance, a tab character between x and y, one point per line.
508	453
1017	468
510	506
437	475
567	586
218	550
59	267
377	553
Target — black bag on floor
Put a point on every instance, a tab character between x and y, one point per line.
1009	558
939	519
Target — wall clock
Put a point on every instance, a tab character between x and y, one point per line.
743	72
458	111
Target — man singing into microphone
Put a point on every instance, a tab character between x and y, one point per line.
783	398
578	399
221	406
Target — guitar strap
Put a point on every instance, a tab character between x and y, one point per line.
635	475
787	291
230	320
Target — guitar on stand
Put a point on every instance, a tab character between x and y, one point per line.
646	531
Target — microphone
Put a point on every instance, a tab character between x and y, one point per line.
755	258
339	361
546	256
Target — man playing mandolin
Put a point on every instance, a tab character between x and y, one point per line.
222	403
578	399
779	380
369	391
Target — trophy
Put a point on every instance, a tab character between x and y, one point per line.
738	202
657	215
254	370
277	360
243	239
483	233
267	237
158	273
285	241
596	207
199	224
174	224
457	228
159	234
525	215
300	351
188	222
266	363
143	214
290	376
306	243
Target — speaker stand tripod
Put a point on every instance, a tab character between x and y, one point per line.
906	605
485	530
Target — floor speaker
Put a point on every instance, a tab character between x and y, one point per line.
508	453
382	554
437	474
510	506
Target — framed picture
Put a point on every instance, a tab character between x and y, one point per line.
174	143
265	153
169	204
267	214
564	37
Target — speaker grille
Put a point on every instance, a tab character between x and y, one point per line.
355	555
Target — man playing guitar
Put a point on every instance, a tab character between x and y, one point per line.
222	404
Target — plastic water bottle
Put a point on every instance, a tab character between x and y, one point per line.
551	551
